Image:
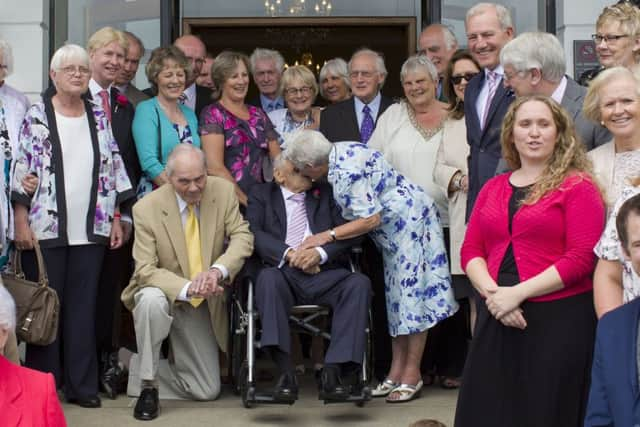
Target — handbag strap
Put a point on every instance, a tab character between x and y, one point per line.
43	279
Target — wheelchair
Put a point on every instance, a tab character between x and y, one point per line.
244	333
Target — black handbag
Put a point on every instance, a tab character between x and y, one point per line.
37	305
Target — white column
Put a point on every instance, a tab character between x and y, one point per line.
25	25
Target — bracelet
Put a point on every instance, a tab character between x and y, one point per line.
458	183
332	234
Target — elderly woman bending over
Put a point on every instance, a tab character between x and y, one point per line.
66	141
403	222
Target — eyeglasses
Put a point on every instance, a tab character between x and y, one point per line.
71	70
457	79
293	91
608	38
364	74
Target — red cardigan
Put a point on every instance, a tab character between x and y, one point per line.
561	229
28	398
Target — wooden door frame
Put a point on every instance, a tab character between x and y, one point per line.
408	22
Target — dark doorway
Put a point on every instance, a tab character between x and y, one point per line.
311	41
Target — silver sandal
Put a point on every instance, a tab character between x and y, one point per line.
384	388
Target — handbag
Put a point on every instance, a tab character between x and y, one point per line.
37	304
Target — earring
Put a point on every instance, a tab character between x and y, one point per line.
602	122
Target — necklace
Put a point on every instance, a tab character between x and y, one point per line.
426	133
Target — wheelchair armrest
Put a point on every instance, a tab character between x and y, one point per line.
354	258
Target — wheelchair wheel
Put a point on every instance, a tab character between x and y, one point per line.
238	344
243	381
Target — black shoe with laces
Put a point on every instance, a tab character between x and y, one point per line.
148	405
332	387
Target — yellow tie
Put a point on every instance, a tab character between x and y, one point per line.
192	237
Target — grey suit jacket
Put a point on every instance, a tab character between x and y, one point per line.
135	94
591	134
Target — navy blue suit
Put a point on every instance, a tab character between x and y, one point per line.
484	143
614	398
278	289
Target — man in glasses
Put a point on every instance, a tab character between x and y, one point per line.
438	43
195	97
534	64
617	39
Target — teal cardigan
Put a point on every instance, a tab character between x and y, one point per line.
145	135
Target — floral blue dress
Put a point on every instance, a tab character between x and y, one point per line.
417	281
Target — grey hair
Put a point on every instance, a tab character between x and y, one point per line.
419	62
181	150
450	39
6	58
535	50
278	161
69	53
503	14
380	67
136	40
307	147
336	67
266	54
7	310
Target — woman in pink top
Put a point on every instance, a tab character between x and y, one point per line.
528	252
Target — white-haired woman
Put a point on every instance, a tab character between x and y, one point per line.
335	85
66	142
28	397
404	223
13	106
409	135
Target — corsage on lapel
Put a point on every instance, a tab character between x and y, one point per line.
121	101
315	193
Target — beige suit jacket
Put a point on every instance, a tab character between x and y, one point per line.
160	252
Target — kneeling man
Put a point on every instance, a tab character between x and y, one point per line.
281	214
177	289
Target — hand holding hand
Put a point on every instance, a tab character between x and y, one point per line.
30	184
514	319
315	240
503	300
305	259
205	284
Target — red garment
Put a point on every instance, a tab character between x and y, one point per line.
561	229
28	398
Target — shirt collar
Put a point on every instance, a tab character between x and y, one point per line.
286	194
278	102
182	205
122	89
373	105
95	89
191	92
559	92
499	70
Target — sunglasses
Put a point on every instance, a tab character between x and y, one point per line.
457	79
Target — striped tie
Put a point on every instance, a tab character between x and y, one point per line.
492	80
298	223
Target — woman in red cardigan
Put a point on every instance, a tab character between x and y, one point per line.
528	251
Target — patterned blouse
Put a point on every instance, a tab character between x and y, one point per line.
608	248
246	142
39	153
184	133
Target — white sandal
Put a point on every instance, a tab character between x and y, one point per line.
407	392
384	388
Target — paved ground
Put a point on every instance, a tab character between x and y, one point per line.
228	411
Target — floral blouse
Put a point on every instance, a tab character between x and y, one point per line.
246	142
39	153
609	248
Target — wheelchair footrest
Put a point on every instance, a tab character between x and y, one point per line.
265	397
363	395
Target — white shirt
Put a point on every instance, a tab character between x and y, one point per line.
484	92
289	206
184	213
95	90
558	94
77	158
374	106
190	93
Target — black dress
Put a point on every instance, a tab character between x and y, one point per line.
536	377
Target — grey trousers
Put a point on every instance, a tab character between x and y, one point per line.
193	371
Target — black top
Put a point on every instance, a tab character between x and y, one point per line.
508	274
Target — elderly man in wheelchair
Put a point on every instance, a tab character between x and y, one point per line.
281	214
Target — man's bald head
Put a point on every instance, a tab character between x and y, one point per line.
195	50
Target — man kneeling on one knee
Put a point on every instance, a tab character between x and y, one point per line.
281	214
177	288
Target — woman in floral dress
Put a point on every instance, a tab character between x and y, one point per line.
405	225
236	137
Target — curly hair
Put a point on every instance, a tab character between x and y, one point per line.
568	157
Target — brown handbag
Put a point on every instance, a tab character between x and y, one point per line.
37	305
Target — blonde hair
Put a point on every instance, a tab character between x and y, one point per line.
105	36
568	157
627	15
591	104
302	73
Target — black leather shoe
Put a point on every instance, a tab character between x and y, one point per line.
286	389
332	387
86	402
113	379
147	406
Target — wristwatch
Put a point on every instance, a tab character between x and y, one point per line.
332	233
